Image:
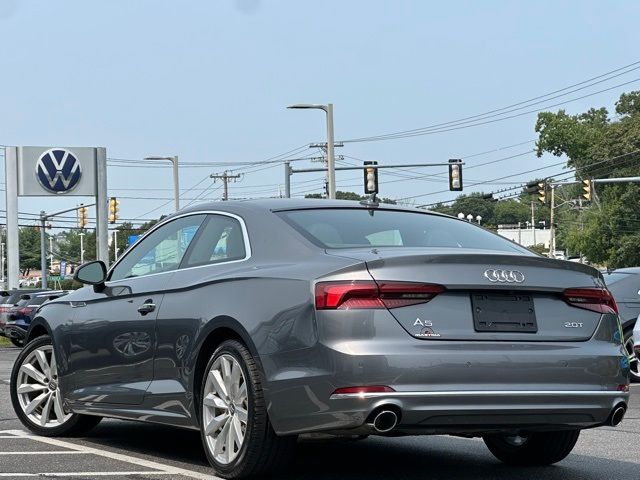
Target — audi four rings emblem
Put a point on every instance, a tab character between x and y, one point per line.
504	276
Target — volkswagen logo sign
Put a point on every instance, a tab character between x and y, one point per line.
504	276
58	170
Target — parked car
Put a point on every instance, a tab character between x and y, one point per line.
19	317
257	321
8	300
624	284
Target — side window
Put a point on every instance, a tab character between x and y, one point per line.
160	251
221	240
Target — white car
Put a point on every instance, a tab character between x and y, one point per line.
636	336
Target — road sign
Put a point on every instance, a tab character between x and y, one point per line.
63	269
132	239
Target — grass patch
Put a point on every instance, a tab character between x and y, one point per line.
4	342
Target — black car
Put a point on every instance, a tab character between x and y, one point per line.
19	316
624	285
8	300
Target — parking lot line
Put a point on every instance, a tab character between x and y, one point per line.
84	474
50	452
161	469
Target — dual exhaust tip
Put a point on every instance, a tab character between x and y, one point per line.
384	421
617	415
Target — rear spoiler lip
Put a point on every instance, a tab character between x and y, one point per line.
464	256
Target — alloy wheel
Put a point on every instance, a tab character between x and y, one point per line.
38	391
225	409
634	364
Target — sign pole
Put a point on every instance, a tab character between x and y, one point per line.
102	207
13	235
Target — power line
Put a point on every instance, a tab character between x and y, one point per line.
438	127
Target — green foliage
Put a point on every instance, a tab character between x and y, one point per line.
607	232
69	246
29	238
350	196
511	212
539	249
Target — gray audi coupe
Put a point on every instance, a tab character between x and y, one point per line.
255	322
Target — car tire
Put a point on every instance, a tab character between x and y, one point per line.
543	448
37	399
634	362
17	343
236	433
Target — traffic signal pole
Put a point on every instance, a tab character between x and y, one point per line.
43	238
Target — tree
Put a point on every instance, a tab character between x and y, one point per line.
607	232
69	247
29	239
510	212
350	196
475	204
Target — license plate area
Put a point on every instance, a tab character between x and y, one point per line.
499	312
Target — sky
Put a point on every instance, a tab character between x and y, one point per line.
210	81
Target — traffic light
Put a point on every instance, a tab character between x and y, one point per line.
455	175
370	178
532	188
586	190
83	218
114	208
542	192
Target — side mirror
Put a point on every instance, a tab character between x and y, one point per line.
92	273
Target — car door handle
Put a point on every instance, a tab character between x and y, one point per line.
146	307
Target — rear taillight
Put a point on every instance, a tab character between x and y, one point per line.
596	299
24	310
369	294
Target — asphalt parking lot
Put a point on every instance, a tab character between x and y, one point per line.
126	450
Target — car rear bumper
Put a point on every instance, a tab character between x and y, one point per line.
481	411
445	386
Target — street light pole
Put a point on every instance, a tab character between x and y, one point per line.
176	179
331	159
81	235
331	163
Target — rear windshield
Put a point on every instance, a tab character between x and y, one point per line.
348	228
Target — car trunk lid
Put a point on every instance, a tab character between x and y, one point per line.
488	295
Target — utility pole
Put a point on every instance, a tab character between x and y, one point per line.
552	228
2	263
51	253
287	179
226	178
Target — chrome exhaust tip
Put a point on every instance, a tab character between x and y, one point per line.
384	421
617	416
